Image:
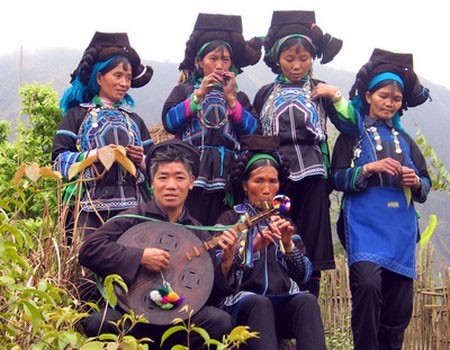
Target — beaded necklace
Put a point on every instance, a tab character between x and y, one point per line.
270	112
376	136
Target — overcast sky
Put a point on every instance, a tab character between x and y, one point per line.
158	29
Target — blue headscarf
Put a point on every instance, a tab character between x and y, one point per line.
81	93
360	104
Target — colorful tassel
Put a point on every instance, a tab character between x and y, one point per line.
165	297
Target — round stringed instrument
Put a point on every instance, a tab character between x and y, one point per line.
191	271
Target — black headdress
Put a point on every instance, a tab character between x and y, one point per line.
228	28
285	23
401	64
106	45
252	145
183	152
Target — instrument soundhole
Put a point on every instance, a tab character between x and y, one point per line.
190	279
168	242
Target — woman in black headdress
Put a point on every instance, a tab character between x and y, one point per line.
97	115
208	110
381	172
267	267
296	107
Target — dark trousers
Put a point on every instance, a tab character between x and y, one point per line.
206	207
298	317
310	212
215	321
382	303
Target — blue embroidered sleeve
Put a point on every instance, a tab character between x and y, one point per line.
65	160
247	125
175	119
349	179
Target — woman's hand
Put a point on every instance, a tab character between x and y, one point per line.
229	88
207	84
261	242
324	90
228	82
135	153
387	165
155	259
278	229
286	229
409	178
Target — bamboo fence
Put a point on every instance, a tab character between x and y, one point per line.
429	328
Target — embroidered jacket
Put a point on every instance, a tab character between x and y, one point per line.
211	127
88	127
288	110
378	222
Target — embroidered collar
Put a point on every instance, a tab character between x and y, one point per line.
93	103
97	100
369	121
280	78
247	207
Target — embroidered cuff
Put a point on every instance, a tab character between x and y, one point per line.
341	105
236	113
361	178
190	106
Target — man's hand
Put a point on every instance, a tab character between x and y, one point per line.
155	259
228	241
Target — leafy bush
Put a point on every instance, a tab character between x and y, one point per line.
40	305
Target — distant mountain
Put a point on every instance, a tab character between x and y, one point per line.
53	66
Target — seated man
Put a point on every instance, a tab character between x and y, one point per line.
172	166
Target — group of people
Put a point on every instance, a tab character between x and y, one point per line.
228	160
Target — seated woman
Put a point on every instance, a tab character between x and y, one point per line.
266	271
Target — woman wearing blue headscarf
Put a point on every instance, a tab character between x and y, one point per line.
97	114
381	173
